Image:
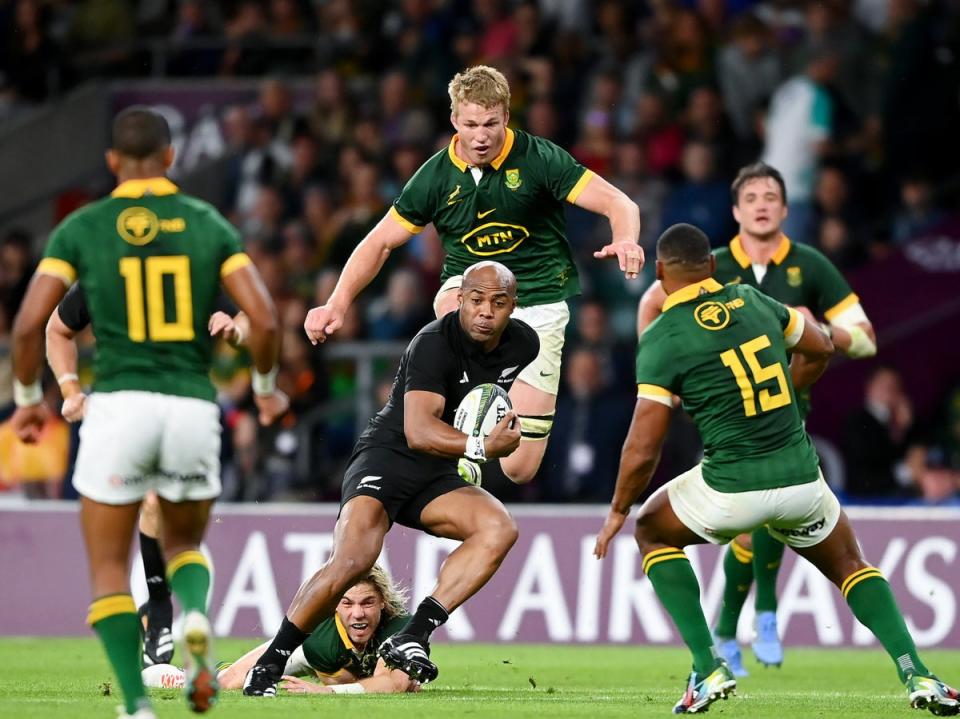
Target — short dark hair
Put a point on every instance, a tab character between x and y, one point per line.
685	245
756	171
140	132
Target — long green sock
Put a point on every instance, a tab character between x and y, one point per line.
767	557
114	619
676	585
738	576
189	577
872	602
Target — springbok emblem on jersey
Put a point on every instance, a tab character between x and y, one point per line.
712	315
137	225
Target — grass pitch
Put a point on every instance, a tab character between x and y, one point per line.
43	678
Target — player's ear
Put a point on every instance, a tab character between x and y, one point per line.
113	161
713	264
168	154
736	214
660	270
459	297
506	117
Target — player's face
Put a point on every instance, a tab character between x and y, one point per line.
359	611
760	209
485	308
482	132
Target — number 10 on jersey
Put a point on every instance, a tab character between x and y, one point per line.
146	311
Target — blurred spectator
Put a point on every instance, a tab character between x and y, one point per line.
401	312
31	65
194	28
918	213
16	269
701	198
248	51
632	174
591	424
876	438
748	71
6	364
399	121
592	331
935	462
704	121
660	137
99	36
836	220
684	59
798	130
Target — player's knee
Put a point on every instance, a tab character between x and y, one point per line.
520	472
745	541
499	533
646	534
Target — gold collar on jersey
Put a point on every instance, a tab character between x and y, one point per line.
743	259
495	163
691	292
156	186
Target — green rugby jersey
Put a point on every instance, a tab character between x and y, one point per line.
723	349
328	649
797	275
514	215
150	261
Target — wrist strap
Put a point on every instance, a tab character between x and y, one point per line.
475	450
67	377
264	384
27	395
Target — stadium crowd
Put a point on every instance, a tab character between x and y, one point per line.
854	102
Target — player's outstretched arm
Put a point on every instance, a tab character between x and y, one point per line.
624	215
856	340
651	305
383	681
426	432
247	290
364	264
62	358
638	459
42	296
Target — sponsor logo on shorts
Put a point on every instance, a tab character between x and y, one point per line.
807	531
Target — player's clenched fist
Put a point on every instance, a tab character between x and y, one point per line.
322	321
73	407
271	406
27	422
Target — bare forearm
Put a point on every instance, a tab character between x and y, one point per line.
264	345
27	352
636	468
624	217
804	371
364	264
434	436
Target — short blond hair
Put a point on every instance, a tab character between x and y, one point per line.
482	85
393	595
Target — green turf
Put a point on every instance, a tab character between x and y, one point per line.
69	678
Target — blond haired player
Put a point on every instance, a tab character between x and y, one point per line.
498	193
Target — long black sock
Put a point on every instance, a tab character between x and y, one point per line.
155	570
429	615
288	638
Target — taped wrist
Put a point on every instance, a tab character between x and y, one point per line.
475	450
535	427
860	343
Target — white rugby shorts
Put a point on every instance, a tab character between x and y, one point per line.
132	442
801	515
550	323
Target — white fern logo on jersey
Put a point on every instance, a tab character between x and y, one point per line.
505	375
367	482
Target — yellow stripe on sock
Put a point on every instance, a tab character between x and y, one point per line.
110	606
741	553
661	555
191	556
857	577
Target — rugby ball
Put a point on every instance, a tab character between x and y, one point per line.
480	411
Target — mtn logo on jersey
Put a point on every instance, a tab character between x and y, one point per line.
494	238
